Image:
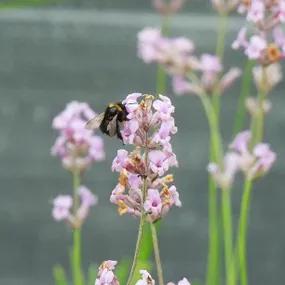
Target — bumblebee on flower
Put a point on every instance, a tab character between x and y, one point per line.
149	128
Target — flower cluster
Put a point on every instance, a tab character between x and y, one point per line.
190	74
106	276
266	42
253	162
76	146
63	209
144	187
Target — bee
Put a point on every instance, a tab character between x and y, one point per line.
111	121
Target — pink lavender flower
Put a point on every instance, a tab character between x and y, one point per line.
182	86
76	146
146	279
174	54
62	207
177	57
143	185
224	176
256	11
253	162
210	63
256	47
241	40
265	17
106	275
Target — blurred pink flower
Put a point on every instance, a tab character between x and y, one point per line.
210	63
256	11
256	47
146	279
266	43
224	176
61	207
76	146
106	275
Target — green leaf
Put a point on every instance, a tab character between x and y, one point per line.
92	273
146	246
142	264
59	275
122	270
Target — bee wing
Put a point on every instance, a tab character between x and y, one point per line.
95	122
112	126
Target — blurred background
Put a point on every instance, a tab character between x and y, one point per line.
52	52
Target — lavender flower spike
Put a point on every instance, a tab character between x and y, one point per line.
147	164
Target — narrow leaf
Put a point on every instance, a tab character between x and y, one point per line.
59	275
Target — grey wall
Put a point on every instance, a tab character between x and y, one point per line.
48	58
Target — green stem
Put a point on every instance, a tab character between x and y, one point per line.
216	141
228	236
215	156
140	242
156	254
161	77
76	249
242	231
220	50
137	249
214	243
245	91
223	27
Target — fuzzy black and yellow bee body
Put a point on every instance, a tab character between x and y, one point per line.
111	121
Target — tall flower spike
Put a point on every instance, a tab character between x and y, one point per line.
145	167
76	146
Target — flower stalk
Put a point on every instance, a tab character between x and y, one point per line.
137	250
76	248
242	231
157	254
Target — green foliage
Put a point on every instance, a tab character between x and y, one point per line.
122	270
59	275
25	3
142	264
146	247
92	273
